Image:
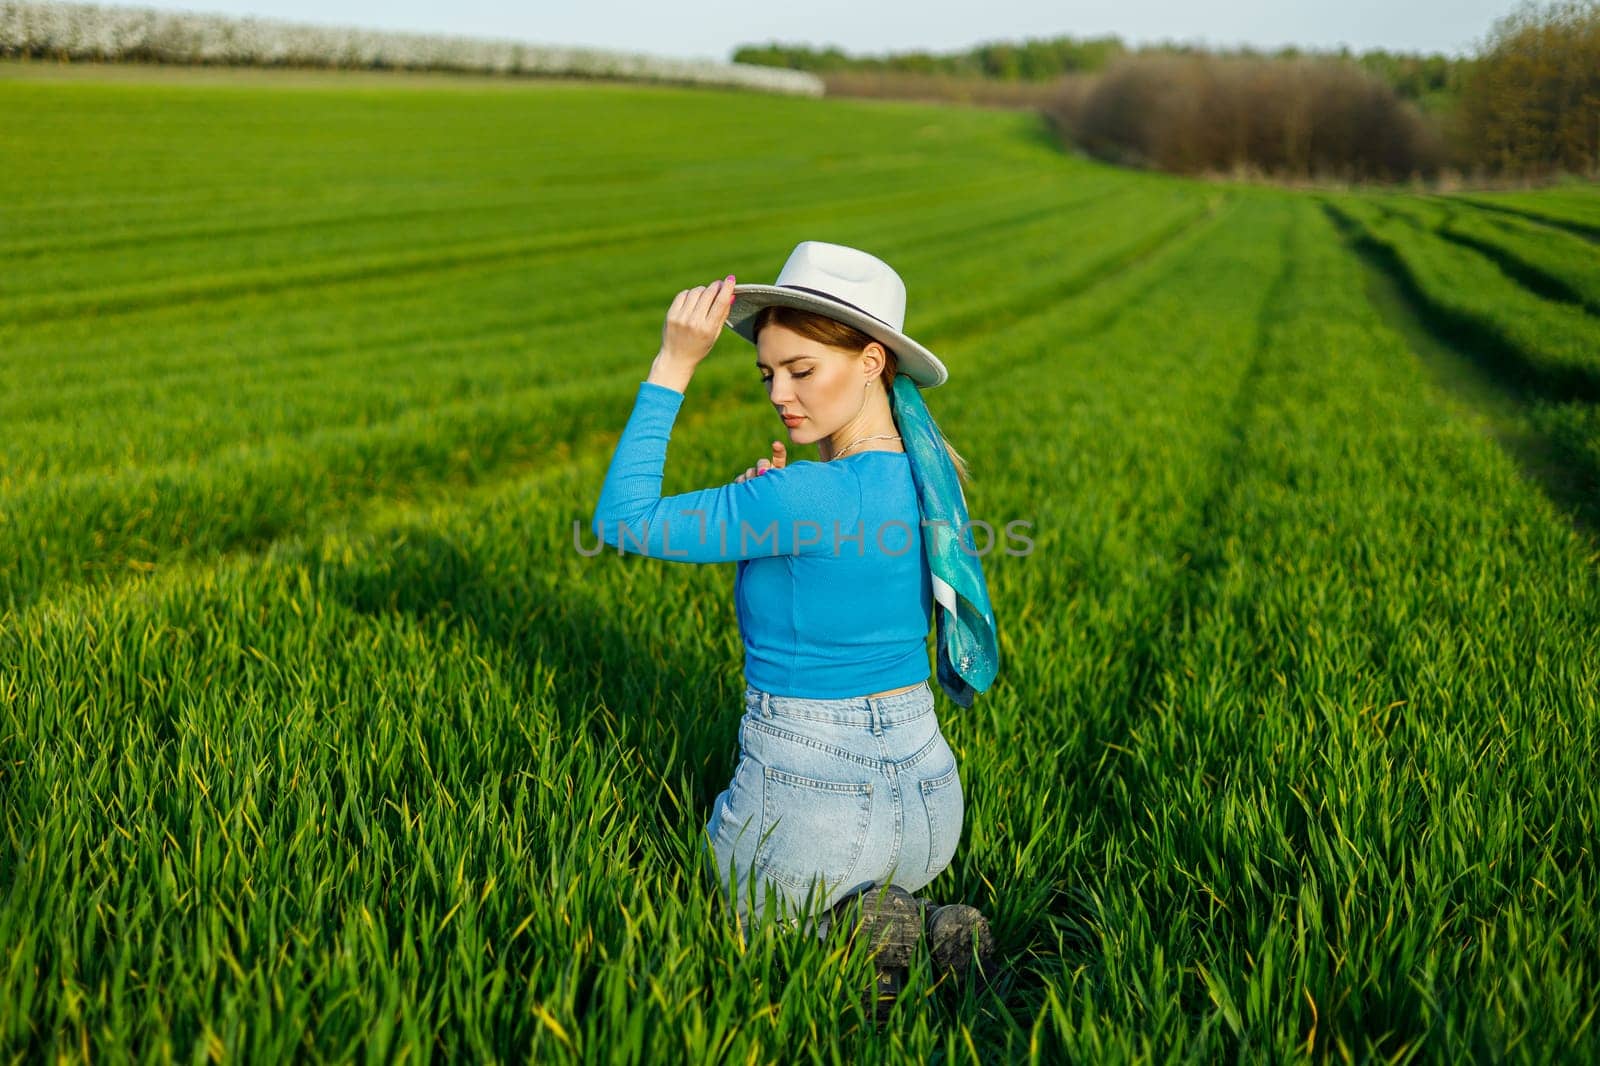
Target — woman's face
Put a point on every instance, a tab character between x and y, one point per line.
821	385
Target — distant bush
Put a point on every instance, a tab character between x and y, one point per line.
89	31
1531	105
1293	118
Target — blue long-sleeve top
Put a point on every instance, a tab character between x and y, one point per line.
832	590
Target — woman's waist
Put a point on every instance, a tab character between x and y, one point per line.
907	703
824	738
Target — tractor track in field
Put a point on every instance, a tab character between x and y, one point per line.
1541	284
1200	547
319	222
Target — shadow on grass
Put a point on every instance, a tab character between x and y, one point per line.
602	677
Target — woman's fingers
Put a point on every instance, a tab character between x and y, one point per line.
682	313
695	320
780	455
714	301
764	465
705	299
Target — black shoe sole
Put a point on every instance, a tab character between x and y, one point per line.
892	923
960	941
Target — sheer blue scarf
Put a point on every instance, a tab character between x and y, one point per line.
968	645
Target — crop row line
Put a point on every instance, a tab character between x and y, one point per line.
1200	544
1075	283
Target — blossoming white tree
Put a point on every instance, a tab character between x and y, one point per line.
92	31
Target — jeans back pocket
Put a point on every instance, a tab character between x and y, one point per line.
811	829
946	807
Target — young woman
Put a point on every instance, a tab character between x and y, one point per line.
845	786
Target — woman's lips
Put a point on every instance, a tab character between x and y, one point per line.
792	421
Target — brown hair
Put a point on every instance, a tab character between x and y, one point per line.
836	334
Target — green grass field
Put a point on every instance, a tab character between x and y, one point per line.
320	738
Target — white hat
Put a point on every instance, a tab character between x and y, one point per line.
850	286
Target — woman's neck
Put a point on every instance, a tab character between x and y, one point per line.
873	429
881	441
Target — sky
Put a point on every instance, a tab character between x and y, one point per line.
711	29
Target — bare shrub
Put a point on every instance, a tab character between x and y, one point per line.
1308	118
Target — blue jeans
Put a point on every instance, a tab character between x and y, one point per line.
831	797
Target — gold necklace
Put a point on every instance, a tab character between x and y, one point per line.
863	440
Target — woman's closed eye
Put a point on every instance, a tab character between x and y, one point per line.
806	374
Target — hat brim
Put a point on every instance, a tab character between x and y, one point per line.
911	358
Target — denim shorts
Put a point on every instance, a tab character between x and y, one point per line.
831	797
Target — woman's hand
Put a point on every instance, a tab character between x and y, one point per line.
779	457
693	322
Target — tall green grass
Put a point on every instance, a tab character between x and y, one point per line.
320	738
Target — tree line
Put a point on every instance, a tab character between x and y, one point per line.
1413	76
1525	104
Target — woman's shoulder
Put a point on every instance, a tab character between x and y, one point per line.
812	472
813	486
